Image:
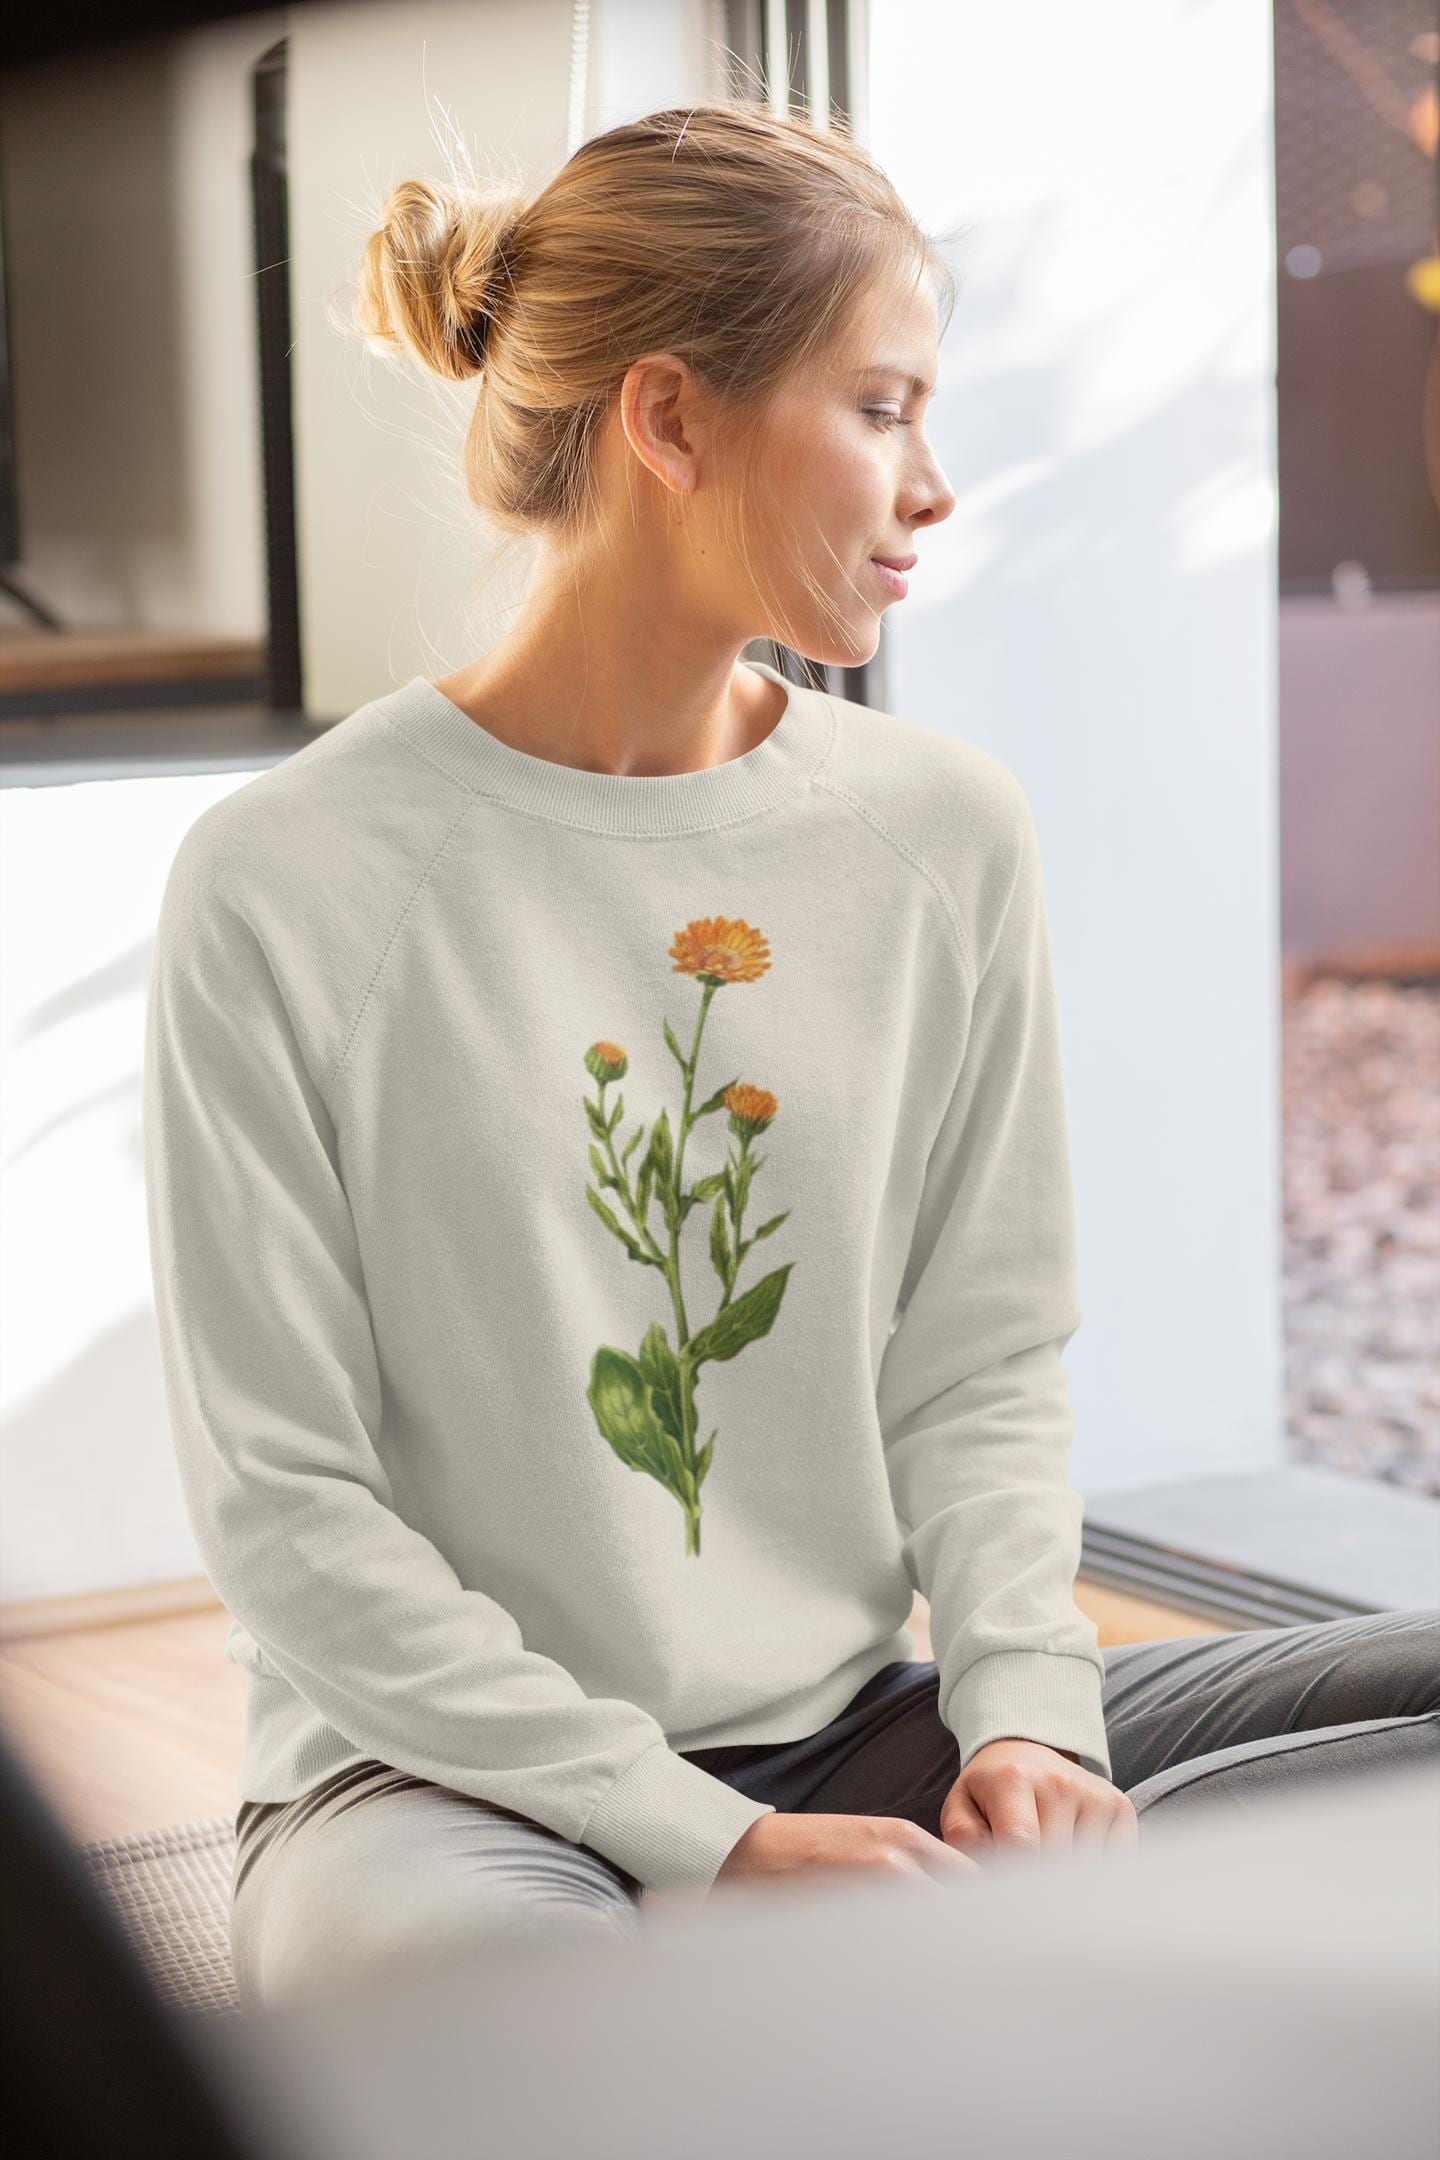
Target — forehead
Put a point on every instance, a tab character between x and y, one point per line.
895	336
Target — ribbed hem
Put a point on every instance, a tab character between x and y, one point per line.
1031	1695
669	1823
637	804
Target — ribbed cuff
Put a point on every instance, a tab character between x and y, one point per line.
1031	1695
669	1823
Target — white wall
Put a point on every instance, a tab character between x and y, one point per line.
1099	613
89	1493
647	54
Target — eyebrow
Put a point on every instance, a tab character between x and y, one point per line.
917	383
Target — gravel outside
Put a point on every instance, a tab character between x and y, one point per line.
1361	1105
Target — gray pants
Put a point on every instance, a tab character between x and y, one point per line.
374	1865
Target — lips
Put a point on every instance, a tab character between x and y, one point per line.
888	568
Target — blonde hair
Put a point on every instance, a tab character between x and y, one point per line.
735	237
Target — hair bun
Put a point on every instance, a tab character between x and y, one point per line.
433	272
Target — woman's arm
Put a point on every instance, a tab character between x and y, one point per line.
274	1393
973	1399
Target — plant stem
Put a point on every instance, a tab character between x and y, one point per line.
682	1325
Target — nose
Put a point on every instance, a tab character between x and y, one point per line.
940	500
930	499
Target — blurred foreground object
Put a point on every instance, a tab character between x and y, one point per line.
96	2061
1259	1982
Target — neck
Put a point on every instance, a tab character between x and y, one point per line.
610	680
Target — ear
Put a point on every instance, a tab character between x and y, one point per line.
663	417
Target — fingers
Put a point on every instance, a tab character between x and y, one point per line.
1092	1828
1004	1808
915	1853
938	1858
1059	1808
1009	1810
1012	1809
1106	1824
962	1826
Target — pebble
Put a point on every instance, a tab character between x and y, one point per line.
1361	1109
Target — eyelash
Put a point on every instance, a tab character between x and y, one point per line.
877	413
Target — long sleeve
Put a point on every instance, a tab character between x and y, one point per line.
973	1398
274	1391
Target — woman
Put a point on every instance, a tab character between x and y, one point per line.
606	1153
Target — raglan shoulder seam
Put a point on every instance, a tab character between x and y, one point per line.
916	861
417	892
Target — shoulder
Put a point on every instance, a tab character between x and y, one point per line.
299	873
354	802
957	811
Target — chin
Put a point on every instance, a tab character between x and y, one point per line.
850	649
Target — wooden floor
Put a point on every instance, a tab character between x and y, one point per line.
137	1725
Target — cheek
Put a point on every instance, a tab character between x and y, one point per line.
844	487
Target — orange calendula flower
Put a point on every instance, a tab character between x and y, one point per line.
750	1106
716	949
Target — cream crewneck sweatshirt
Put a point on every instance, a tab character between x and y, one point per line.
612	1240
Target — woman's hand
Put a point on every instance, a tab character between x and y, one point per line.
1015	1795
790	1844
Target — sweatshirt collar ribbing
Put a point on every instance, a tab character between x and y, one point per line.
624	803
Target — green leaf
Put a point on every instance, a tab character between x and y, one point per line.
661	1369
597	1164
719	1244
712	1102
662	1150
750	1317
702	1460
636	1252
675	1475
624	1412
704	1189
676	1051
617	1113
632	1143
766	1227
631	1419
642	1191
597	1123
